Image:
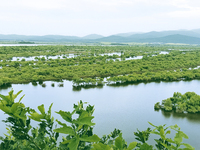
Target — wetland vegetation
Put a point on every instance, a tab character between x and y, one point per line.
186	103
90	64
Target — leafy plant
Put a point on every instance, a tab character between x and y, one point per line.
19	123
164	143
81	130
78	129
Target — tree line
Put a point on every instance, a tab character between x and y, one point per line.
181	103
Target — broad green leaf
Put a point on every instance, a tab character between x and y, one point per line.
132	145
93	138
184	135
178	138
85	121
175	127
186	149
154	132
168	132
6	109
65	130
73	144
170	140
15	107
49	111
165	145
100	146
73	112
35	116
11	97
84	114
145	146
65	142
21	98
3	102
188	146
79	127
118	143
23	114
60	123
4	98
41	109
65	115
110	142
162	133
152	124
172	147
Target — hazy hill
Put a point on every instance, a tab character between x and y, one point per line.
46	38
177	38
127	34
155	34
173	36
93	36
112	38
196	30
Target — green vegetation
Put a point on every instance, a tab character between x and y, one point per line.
78	130
188	102
25	42
7	52
91	64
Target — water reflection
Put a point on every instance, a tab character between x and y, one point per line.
189	116
111	54
166	114
5	86
123	84
34	83
35	58
129	58
163	52
133	58
43	84
78	88
64	56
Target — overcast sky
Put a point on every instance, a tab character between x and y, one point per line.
105	17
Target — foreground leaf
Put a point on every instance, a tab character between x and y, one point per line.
93	138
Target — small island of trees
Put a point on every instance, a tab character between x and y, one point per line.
186	103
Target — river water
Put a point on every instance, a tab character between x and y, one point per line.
124	107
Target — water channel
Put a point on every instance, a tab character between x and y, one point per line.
63	56
124	107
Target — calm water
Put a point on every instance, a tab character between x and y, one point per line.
63	56
46	57
125	107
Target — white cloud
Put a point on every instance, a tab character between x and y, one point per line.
96	16
191	13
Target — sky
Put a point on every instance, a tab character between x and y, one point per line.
104	17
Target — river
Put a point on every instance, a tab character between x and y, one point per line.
124	107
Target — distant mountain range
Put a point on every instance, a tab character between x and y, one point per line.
172	36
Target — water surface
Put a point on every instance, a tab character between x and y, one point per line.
124	107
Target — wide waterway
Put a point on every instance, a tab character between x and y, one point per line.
124	107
